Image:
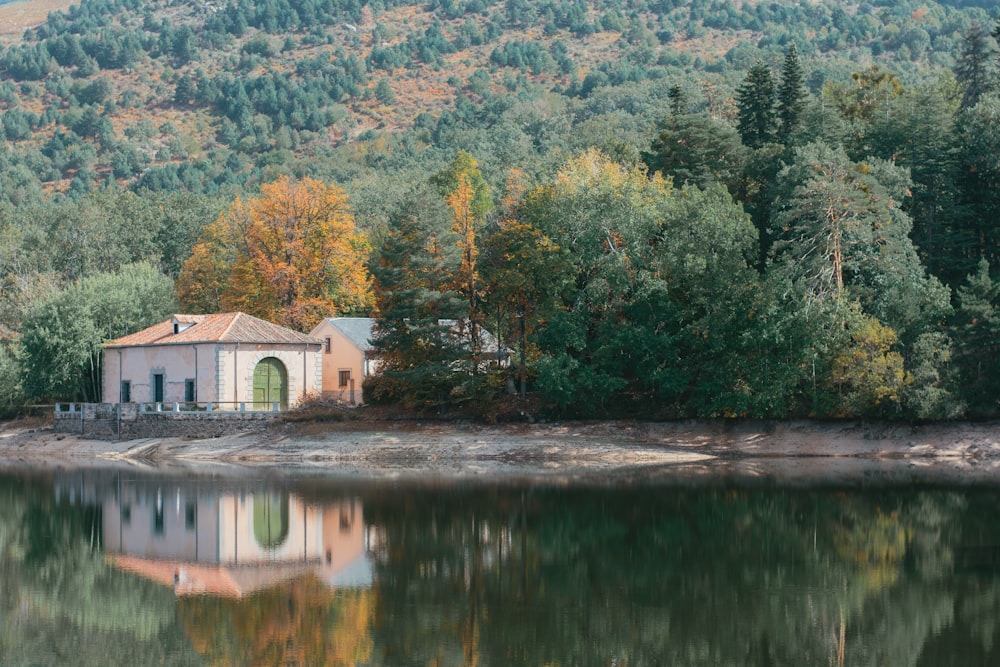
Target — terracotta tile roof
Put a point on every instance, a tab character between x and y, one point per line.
197	579
217	328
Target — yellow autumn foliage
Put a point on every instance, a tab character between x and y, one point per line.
291	256
869	374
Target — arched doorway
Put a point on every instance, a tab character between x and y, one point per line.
270	520
270	384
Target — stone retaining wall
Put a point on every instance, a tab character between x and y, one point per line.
105	421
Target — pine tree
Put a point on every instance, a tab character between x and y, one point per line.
417	261
696	149
678	100
791	95
755	100
977	330
843	237
923	136
979	180
973	70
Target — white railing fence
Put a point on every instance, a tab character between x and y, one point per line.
178	407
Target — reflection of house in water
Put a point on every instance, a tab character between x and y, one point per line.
237	543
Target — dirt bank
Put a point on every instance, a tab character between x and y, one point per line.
806	452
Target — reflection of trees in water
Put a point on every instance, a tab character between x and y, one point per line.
62	604
567	576
302	622
670	577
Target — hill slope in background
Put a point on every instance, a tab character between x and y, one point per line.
208	96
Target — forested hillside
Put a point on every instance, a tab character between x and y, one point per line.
661	208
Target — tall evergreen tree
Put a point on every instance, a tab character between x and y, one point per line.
977	330
843	237
696	149
678	100
921	134
974	69
418	259
979	180
755	102
791	95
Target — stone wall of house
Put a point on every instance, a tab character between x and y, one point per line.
105	421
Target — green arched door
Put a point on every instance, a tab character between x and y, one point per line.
270	520
270	384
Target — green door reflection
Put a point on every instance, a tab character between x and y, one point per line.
270	520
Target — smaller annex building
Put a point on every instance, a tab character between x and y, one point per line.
225	359
347	356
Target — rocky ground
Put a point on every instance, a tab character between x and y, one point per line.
789	452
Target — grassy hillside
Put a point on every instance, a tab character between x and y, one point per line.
16	16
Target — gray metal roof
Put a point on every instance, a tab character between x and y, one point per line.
358	330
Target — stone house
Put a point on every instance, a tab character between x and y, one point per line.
226	359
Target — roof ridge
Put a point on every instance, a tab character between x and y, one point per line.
229	326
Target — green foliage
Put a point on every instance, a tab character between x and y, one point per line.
656	269
91	189
920	134
934	393
871	93
383	92
62	335
976	331
791	95
695	149
523	275
755	99
419	256
979	181
12	397
975	69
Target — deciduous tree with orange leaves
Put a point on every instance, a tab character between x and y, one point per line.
290	256
461	201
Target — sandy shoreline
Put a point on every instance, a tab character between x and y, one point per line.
786	452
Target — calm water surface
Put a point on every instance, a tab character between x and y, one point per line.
115	567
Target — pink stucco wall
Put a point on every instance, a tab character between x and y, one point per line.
223	372
343	356
238	544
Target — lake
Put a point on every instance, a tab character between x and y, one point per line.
265	567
